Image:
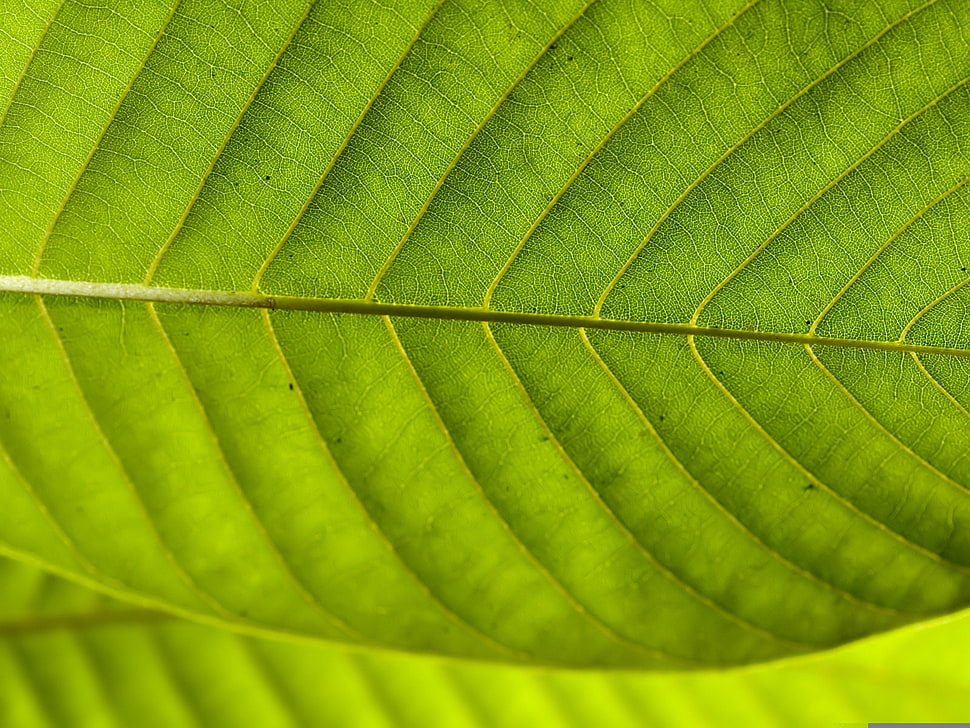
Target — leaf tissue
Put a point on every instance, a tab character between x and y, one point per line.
588	333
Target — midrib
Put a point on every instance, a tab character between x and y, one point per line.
29	624
203	297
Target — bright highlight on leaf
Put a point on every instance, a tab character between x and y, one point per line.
592	334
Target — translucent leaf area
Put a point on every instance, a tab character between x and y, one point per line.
72	658
592	334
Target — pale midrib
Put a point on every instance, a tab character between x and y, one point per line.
230	299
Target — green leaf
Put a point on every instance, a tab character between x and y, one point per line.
72	657
591	334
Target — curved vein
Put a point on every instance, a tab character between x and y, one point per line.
369	520
288	233
936	383
811	478
257	523
599	147
818	195
930	306
389	261
720	508
38	256
30	62
532	558
962	489
156	261
692	592
69	543
872	259
707	172
169	555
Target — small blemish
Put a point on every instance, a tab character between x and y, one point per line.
291	386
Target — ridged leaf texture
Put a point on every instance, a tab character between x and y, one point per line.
614	334
70	657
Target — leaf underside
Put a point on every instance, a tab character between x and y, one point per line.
220	221
73	658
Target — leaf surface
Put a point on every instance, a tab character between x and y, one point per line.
72	657
598	334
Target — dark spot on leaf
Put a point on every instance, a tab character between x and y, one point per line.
291	386
810	486
569	58
266	177
661	418
339	440
552	47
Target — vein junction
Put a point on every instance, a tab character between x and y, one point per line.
202	297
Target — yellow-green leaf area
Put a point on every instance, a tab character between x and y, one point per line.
592	333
